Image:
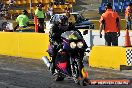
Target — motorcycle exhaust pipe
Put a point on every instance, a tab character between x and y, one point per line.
46	61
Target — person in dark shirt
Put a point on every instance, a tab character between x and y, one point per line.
57	29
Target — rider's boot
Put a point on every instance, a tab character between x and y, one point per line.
52	67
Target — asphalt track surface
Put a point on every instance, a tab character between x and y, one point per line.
16	72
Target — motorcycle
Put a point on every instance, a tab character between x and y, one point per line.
69	58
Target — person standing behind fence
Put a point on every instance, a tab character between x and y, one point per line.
128	16
22	20
50	10
11	4
40	16
110	22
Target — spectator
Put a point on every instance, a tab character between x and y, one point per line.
62	2
58	2
40	16
50	11
4	11
128	16
1	6
110	22
7	26
11	4
11	1
22	20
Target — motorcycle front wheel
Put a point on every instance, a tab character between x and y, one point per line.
77	66
58	77
75	72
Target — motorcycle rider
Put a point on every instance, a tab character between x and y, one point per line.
55	38
57	29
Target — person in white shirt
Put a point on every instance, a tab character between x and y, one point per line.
50	10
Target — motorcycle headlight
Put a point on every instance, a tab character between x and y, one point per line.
72	45
79	44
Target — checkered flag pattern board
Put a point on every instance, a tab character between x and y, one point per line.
129	56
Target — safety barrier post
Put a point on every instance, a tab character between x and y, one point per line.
36	23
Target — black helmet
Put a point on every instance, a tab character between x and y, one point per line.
62	19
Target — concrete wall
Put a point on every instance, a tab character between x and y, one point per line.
26	43
29	45
108	57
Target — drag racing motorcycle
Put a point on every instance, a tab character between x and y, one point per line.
69	58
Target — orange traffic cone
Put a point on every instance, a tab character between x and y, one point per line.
127	39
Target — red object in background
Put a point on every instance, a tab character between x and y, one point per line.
127	39
36	23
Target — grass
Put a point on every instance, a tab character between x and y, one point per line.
91	14
87	2
78	8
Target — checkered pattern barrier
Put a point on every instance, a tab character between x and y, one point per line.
129	56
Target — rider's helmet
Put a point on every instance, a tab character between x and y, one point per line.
63	19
